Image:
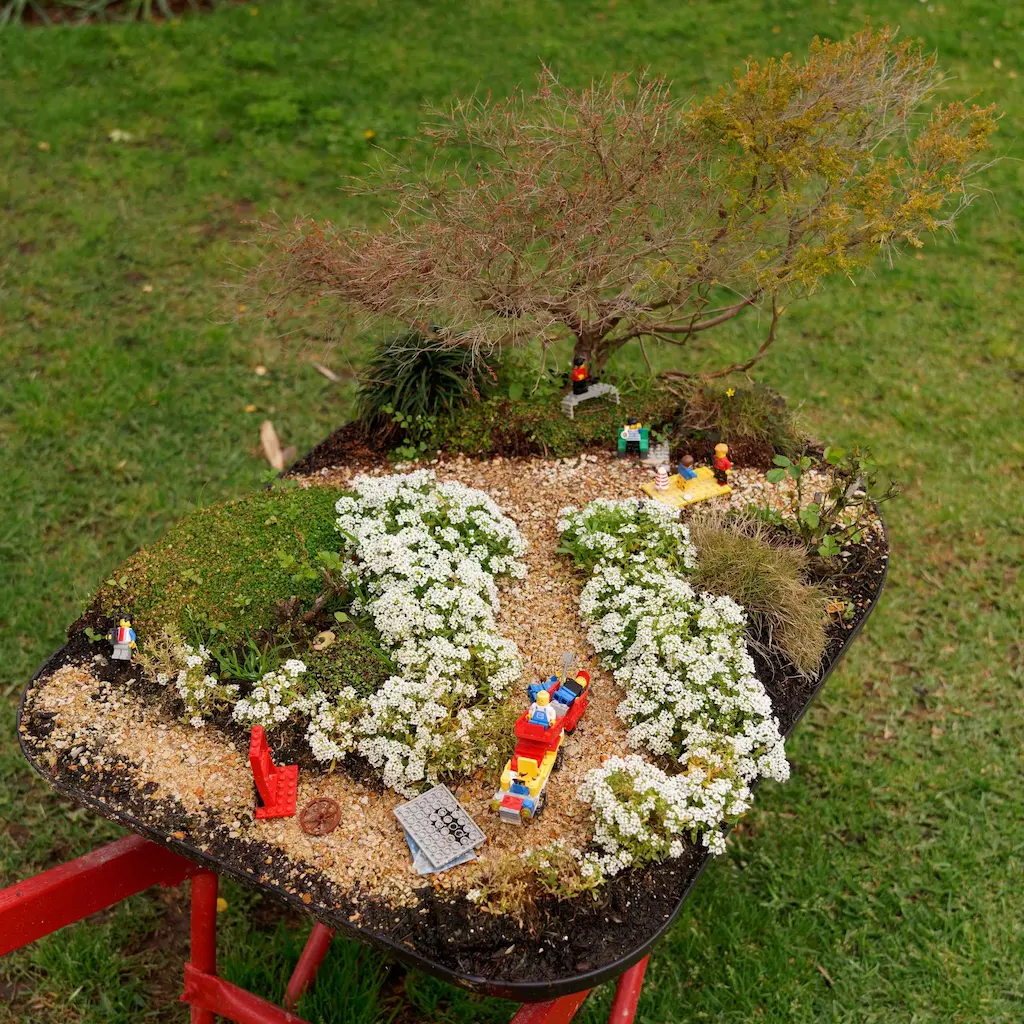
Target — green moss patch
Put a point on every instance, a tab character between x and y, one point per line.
352	660
221	572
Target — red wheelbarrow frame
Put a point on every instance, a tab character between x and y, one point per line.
70	892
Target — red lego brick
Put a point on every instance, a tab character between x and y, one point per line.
277	785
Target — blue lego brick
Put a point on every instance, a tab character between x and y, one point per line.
519	789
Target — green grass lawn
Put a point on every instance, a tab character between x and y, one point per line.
884	881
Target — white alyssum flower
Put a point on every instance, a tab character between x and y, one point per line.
200	691
641	814
276	698
681	657
426	557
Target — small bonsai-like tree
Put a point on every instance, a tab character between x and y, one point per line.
616	215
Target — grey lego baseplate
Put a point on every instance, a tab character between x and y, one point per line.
440	825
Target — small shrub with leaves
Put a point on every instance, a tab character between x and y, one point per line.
752	411
170	660
836	515
642	814
510	885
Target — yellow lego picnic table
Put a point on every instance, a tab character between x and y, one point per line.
681	493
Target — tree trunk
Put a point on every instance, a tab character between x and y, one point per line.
592	351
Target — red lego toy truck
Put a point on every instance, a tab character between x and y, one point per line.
520	795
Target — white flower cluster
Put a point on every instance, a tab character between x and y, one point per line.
200	691
275	698
427	556
641	532
681	657
282	696
641	814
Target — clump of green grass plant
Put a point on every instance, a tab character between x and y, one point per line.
411	379
741	558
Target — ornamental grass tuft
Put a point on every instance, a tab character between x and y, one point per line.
741	558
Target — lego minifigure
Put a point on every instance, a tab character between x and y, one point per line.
661	478
686	470
580	377
633	438
541	711
122	636
721	463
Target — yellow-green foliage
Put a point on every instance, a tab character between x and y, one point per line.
511	884
220	571
740	559
819	150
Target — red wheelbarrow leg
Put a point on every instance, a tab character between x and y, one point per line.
216	996
67	893
312	957
203	949
627	994
557	1011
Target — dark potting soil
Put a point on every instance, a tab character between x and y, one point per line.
349	446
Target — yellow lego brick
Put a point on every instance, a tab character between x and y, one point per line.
679	496
536	784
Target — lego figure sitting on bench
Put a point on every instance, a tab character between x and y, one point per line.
580	377
541	711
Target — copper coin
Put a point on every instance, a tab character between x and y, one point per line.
319	817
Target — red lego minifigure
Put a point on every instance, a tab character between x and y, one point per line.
721	463
580	377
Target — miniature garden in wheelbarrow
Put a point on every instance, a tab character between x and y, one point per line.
489	675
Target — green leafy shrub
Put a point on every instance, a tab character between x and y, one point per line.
754	411
534	424
415	378
739	558
220	573
837	514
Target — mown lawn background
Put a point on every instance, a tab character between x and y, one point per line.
883	882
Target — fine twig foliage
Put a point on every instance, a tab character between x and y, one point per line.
617	215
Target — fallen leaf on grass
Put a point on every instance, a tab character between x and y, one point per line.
825	975
326	371
271	445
